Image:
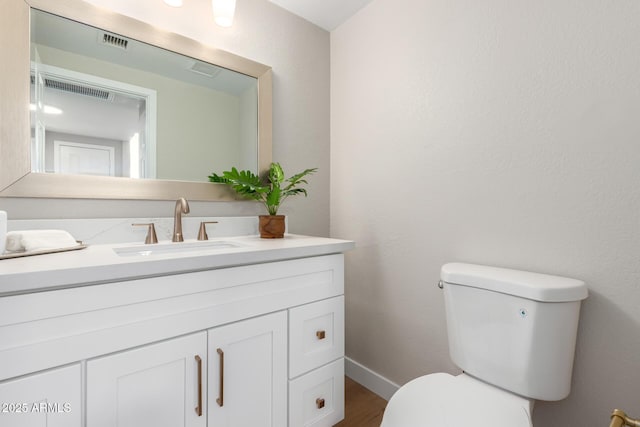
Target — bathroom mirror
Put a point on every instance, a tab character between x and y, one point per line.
167	154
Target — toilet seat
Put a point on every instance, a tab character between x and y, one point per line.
443	400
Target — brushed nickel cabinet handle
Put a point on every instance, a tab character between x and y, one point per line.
199	407
320	403
320	334
220	400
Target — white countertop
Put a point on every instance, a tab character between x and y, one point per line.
101	264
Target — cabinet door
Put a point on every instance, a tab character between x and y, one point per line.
48	399
159	385
248	373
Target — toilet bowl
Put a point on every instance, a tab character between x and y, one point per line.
512	333
442	400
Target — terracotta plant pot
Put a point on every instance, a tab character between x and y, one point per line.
271	226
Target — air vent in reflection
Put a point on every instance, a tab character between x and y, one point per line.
77	88
204	69
114	41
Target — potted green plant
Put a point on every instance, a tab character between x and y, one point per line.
271	192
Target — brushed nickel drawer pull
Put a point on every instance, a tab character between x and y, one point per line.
199	407
320	403
320	334
220	400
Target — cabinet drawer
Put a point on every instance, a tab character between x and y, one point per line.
316	335
317	398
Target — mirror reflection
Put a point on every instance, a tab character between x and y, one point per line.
104	104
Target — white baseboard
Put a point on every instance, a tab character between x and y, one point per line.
369	379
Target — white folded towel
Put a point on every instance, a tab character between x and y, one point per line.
37	240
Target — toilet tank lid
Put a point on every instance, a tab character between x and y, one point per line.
525	284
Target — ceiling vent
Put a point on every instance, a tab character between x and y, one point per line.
205	69
112	40
76	88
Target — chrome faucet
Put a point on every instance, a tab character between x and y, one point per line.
181	207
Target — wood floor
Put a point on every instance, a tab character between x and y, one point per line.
363	408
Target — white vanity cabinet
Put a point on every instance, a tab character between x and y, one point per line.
257	345
242	370
158	385
46	399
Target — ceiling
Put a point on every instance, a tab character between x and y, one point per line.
327	14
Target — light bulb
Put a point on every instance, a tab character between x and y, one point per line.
223	11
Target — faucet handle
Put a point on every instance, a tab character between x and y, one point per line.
151	233
202	233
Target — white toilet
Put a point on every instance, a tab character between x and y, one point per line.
513	333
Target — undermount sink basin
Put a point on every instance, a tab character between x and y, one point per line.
174	248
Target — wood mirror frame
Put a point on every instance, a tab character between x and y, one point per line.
16	178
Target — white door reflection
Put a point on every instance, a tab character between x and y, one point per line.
84	159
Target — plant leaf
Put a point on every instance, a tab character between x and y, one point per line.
273	200
248	184
294	191
243	182
296	179
276	174
214	177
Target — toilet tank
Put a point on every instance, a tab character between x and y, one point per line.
513	329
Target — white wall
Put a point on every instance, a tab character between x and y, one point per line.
297	51
501	132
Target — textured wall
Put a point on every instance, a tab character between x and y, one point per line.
299	54
501	132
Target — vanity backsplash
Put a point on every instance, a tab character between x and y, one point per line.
94	231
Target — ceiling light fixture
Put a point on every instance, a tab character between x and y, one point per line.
223	11
174	3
